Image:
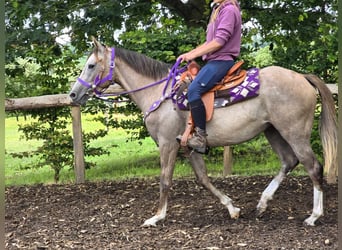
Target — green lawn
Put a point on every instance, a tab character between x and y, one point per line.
127	159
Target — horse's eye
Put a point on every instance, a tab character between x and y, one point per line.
90	66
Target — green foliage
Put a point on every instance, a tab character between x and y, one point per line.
164	39
21	69
56	150
260	58
315	136
56	147
306	40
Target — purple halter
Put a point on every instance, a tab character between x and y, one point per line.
171	78
98	81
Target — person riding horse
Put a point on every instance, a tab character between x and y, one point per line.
222	46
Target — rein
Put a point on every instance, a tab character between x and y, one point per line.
171	78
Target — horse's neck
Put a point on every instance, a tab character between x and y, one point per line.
131	80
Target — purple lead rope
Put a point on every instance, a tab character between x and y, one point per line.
171	78
174	72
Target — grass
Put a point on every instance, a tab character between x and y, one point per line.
127	159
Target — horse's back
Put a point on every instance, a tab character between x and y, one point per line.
281	88
288	98
277	77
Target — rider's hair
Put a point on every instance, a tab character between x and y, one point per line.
217	9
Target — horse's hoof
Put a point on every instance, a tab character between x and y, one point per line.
147	223
151	222
259	213
236	213
308	222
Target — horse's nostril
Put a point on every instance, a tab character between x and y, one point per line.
72	95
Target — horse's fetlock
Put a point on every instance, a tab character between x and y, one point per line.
262	206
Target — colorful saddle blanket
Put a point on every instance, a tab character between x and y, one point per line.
249	88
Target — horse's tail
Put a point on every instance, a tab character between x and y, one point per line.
328	126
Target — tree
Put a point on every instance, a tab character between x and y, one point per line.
303	33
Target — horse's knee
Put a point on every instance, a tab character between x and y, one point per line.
166	179
165	186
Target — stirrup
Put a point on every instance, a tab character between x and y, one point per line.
203	150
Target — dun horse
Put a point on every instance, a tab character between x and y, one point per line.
283	111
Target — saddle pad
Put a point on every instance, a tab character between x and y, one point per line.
247	89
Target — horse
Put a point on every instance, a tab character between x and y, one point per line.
283	111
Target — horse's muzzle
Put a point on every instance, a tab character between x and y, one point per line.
78	99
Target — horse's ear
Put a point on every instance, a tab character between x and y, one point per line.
98	46
96	43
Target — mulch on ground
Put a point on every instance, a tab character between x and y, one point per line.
109	215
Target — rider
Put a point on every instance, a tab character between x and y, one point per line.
222	46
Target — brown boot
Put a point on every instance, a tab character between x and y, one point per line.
199	141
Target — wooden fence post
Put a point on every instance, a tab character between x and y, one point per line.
227	161
79	166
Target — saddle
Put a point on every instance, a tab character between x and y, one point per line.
234	77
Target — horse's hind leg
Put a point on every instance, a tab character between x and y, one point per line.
200	170
300	147
288	160
315	171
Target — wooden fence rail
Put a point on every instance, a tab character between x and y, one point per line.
64	100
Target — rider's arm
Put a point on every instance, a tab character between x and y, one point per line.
201	50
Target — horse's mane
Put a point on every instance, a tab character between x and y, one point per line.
143	64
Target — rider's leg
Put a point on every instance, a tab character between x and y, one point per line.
199	140
206	79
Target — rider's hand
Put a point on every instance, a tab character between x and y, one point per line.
185	57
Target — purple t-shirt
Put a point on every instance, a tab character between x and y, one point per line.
226	30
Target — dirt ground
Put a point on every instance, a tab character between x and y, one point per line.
109	215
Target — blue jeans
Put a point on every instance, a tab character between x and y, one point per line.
211	73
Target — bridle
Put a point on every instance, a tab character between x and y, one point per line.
98	79
172	78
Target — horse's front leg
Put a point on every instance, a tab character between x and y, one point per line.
168	154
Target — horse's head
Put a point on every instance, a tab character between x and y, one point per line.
96	75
